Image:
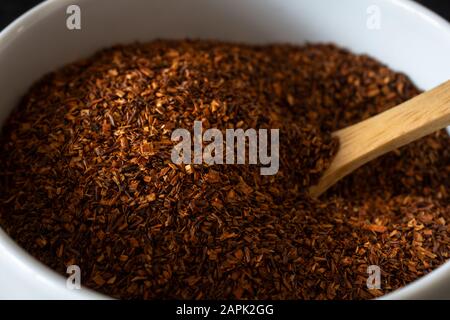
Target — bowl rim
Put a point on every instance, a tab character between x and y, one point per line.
25	262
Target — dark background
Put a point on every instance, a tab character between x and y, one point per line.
11	9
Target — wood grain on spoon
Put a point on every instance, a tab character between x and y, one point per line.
396	127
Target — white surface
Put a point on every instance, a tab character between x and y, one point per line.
411	39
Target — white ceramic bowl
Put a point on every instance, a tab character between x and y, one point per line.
409	39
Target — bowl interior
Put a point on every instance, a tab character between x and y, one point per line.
407	38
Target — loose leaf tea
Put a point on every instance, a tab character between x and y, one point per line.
87	178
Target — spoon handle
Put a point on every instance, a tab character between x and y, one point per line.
387	131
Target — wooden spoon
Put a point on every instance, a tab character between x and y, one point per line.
373	137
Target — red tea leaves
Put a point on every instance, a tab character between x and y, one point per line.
87	179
